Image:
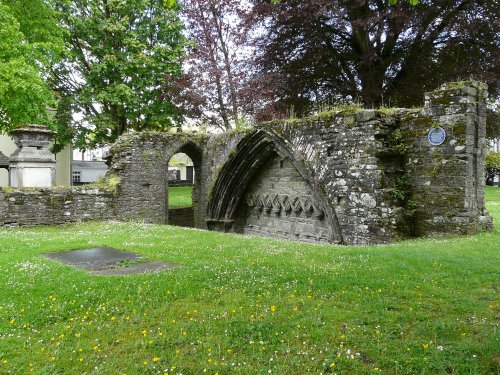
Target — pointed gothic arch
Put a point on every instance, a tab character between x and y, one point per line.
236	174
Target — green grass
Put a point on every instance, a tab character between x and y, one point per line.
180	196
247	305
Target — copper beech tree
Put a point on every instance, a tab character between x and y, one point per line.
370	51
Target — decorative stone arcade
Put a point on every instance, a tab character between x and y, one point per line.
354	176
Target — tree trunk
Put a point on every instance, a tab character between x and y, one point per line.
227	64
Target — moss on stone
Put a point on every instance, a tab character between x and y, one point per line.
426	122
463	84
386	111
442	100
110	183
459	129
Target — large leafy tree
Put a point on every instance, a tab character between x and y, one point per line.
31	42
215	68
370	50
119	57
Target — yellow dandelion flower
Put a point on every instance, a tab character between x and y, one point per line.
425	346
273	309
155	359
332	364
4	362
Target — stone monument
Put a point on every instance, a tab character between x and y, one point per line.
32	164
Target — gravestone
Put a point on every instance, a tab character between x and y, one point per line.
110	261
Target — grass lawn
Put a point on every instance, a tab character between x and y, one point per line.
179	196
248	305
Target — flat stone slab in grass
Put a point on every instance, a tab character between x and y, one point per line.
139	268
109	261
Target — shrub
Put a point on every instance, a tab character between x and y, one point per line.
492	166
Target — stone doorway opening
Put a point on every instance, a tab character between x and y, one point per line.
183	180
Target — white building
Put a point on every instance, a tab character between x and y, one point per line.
182	167
85	172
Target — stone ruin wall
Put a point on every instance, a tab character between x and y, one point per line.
354	176
43	206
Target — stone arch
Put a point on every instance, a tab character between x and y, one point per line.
195	153
235	175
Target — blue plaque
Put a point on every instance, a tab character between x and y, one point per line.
437	136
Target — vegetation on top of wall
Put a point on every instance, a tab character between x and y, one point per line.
121	143
338	110
110	182
462	84
387	111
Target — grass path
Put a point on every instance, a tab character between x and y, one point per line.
179	197
249	305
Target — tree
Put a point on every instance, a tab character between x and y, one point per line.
215	67
492	166
119	57
493	122
30	44
412	2
371	51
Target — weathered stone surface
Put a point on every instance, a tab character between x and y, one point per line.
153	266
279	203
109	261
28	207
181	217
94	259
355	177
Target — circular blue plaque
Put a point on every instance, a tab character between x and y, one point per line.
437	136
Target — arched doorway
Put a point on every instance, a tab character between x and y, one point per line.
183	186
